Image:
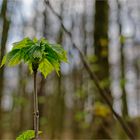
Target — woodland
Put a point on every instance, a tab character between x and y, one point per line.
69	69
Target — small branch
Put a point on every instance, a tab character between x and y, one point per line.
93	77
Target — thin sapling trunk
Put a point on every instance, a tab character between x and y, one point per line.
36	111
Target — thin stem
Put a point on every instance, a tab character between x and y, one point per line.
36	112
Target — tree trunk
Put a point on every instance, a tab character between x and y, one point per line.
122	65
36	112
101	40
4	36
122	82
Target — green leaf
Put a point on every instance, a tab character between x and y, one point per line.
30	67
55	64
27	135
12	58
45	67
35	40
3	61
15	59
60	51
26	42
55	49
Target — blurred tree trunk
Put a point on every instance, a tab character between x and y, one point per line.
101	42
19	104
23	95
57	104
41	90
122	66
101	23
83	27
122	82
79	84
137	69
4	36
58	101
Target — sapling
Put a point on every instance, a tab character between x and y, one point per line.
42	56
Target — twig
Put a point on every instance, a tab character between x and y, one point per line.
93	77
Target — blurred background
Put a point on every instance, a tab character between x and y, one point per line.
108	34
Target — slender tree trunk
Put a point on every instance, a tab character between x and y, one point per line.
36	112
122	66
137	69
124	93
41	94
4	36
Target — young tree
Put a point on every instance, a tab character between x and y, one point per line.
41	56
